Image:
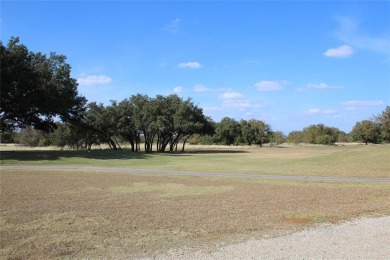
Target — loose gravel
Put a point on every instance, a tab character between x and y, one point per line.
366	238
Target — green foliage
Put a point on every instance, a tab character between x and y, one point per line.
161	121
277	138
320	134
366	131
227	131
32	137
254	132
343	137
295	137
324	139
7	137
28	80
383	120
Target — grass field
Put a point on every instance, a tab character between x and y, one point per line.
351	160
64	214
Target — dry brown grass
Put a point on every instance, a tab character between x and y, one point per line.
46	215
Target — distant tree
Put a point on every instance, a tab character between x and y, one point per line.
32	137
144	118
126	123
73	136
277	138
383	120
254	132
100	123
7	137
343	137
320	134
190	120
366	131
166	130
36	89
227	131
295	137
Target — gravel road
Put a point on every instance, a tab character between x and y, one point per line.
366	238
201	174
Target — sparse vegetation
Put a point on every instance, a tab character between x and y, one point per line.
54	214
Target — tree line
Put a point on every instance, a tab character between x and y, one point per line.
40	106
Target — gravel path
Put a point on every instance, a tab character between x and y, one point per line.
367	238
202	174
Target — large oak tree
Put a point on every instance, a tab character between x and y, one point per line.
36	89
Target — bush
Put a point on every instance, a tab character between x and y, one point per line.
7	137
33	138
324	139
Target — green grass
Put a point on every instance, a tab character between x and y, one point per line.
352	160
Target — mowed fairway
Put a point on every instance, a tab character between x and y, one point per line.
345	161
48	214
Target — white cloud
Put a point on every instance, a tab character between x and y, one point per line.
266	85
241	104
339	52
190	65
321	86
93	80
231	95
178	90
361	104
173	27
348	32
317	111
237	101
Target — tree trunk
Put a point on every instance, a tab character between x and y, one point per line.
117	143
184	143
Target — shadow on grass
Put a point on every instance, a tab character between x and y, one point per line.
99	154
211	151
55	155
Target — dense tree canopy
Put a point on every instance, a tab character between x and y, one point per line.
36	89
366	131
383	120
163	122
317	134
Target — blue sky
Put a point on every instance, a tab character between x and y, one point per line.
289	63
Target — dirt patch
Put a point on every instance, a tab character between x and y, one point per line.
53	214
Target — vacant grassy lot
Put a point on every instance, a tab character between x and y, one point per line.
353	161
54	214
63	214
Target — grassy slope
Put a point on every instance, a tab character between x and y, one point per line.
358	161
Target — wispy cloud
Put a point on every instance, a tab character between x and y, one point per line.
361	104
92	80
173	26
190	65
231	95
178	90
236	100
321	86
349	33
317	111
339	52
266	85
